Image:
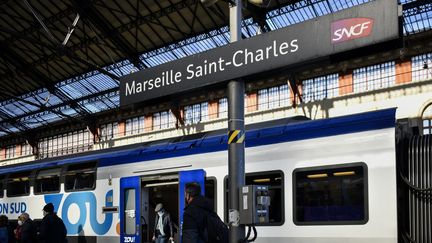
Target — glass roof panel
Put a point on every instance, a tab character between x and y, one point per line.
84	87
120	69
10	110
406	1
418	19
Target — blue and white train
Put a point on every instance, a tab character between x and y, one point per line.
331	180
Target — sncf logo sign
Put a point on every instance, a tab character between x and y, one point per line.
349	29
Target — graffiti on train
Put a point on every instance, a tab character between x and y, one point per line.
80	200
129	239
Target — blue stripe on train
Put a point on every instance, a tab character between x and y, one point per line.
285	133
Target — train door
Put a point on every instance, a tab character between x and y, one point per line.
130	213
140	195
157	189
185	177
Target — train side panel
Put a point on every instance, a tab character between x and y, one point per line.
368	144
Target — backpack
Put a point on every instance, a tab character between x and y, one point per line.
217	231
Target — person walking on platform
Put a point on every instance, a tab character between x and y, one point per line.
194	215
28	231
52	228
163	230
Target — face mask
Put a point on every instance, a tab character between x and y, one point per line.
20	222
44	213
160	213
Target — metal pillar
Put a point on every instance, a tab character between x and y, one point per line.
236	157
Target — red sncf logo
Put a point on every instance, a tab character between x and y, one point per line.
349	29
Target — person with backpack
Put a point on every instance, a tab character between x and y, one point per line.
200	223
52	228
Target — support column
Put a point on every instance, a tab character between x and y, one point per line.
236	156
236	135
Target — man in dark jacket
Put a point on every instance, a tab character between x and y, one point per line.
194	215
163	229
52	228
28	231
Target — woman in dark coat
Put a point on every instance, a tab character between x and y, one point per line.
28	231
18	230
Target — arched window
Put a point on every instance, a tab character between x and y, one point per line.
427	120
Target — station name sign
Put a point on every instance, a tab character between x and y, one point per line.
359	26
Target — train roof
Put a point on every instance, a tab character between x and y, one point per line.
276	131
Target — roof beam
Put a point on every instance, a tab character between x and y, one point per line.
90	13
55	108
40	78
59	52
27	136
15	123
154	16
150	18
40	106
259	16
36	26
415	4
133	24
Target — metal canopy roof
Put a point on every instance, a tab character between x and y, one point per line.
43	81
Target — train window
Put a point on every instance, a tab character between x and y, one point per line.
1	186
130	208
275	181
47	181
81	177
330	195
211	191
18	184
